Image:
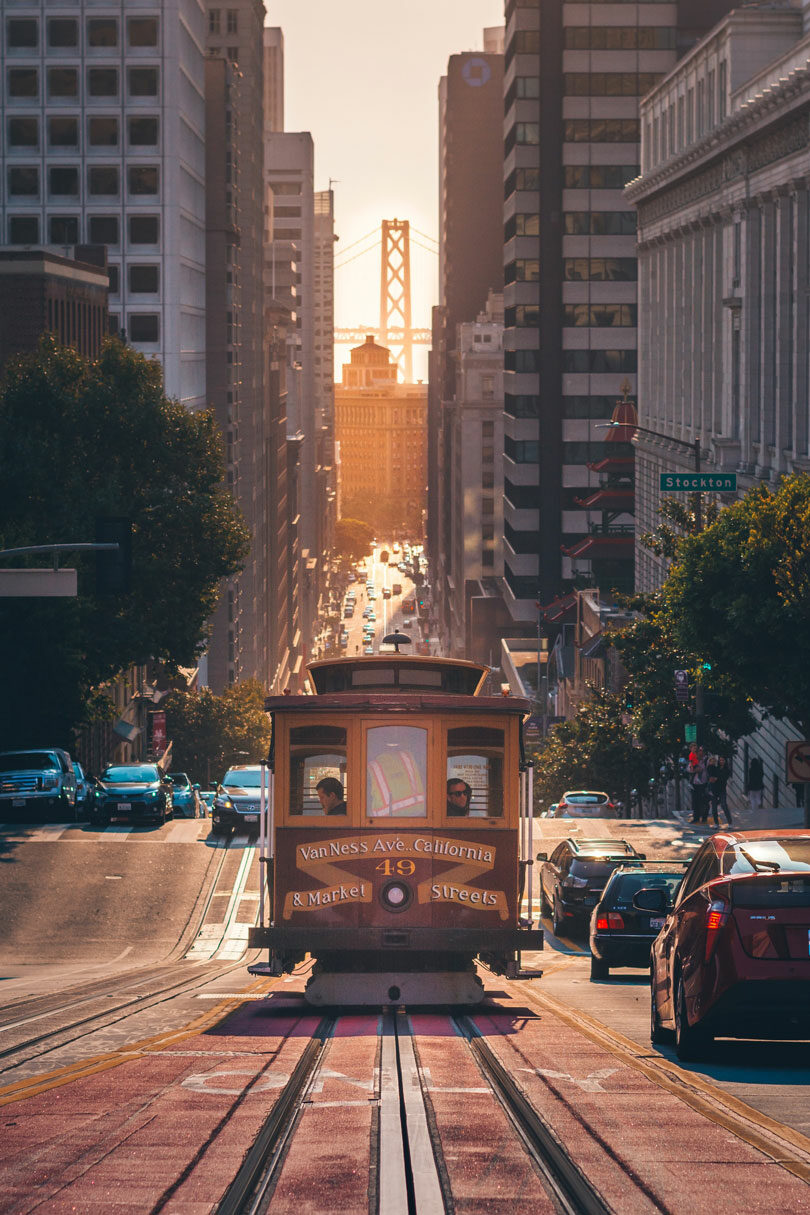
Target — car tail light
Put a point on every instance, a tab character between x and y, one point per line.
615	921
602	924
716	918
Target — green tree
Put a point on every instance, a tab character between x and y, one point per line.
738	594
209	733
353	538
594	750
80	439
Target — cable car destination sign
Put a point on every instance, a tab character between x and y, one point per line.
695	483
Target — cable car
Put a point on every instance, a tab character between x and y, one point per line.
395	832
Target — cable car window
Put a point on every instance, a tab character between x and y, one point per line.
475	772
376	675
396	772
318	771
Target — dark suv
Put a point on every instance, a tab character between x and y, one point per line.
574	876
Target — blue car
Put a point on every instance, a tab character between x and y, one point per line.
134	793
186	796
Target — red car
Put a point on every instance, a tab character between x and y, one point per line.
733	957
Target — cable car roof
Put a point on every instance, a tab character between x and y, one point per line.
398	672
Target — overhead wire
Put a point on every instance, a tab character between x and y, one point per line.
354	257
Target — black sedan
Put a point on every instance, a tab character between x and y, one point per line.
573	877
132	793
621	934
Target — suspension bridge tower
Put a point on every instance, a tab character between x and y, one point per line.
395	293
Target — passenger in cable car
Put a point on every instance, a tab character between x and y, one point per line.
458	797
330	795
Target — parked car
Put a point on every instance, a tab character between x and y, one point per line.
397	587
621	934
207	801
85	791
236	805
585	803
185	796
732	958
574	876
37	781
386	592
132	792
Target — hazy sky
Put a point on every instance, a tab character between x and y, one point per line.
363	76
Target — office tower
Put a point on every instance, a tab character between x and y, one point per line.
323	302
241	638
380	426
273	78
100	147
574	75
470	267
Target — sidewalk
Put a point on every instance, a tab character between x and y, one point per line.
744	819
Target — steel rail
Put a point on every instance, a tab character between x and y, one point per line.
248	1191
569	1185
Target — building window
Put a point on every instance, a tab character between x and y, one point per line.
63	181
601	130
143	280
599	223
143	326
103	132
114	275
102	31
487	531
22	33
23	82
142	31
598	177
522	225
231	21
103	230
600	362
487	556
527	132
23	229
214	21
103	180
487	479
63	32
143	82
487	506
142	132
142	179
487	430
114	323
24	181
521	360
600	316
102	82
63	132
23	132
63	230
144	229
600	269
63	82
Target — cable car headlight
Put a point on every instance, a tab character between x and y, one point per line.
396	896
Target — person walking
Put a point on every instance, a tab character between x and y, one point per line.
718	780
700	788
755	783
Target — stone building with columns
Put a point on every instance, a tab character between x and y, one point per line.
723	260
724	277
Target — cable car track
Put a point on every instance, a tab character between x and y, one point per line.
413	1176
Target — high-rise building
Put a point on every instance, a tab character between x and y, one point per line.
470	267
574	75
380	426
323	299
100	147
273	78
241	643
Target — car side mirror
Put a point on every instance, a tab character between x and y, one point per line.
642	856
195	786
651	898
541	856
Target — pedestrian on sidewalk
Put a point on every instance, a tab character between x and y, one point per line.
755	783
718	780
700	787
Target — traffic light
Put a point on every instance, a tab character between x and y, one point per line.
113	566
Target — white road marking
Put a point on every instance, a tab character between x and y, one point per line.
588	1084
204	1082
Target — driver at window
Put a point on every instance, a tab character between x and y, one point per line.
458	798
330	795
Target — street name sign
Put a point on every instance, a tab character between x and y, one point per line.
695	483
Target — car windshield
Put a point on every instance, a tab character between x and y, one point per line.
179	779
625	885
788	854
243	778
146	775
24	761
593	867
586	799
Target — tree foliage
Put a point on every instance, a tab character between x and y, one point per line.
353	538
79	440
594	750
210	733
738	594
